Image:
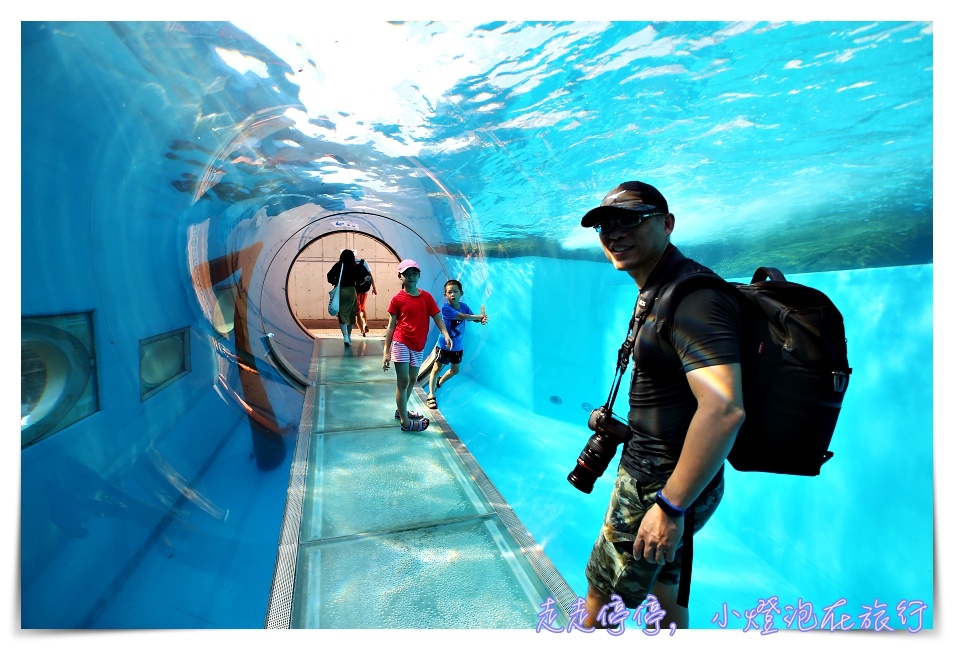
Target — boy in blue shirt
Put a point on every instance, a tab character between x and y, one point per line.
455	315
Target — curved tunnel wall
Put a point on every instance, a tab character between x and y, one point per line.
107	229
100	233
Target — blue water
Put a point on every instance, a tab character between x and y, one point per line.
162	162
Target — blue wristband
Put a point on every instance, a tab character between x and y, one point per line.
668	507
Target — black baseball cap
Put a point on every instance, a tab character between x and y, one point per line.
636	196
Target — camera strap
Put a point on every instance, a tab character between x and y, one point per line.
643	304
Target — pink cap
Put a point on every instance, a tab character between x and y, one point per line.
408	264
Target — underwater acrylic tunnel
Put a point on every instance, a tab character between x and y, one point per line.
196	452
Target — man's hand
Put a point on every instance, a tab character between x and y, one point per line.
658	536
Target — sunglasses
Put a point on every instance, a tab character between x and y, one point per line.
629	221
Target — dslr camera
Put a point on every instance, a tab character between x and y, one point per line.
599	449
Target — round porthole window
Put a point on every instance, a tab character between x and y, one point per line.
160	361
54	372
223	314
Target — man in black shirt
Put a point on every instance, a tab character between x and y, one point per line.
685	411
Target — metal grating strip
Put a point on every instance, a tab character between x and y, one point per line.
286	562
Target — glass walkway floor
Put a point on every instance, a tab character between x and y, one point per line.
389	529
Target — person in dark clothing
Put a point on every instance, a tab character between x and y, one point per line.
351	274
685	410
361	316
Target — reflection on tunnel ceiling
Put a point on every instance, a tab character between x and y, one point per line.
801	145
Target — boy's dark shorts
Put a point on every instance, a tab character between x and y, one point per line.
612	569
449	356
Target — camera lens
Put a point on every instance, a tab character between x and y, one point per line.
593	461
599	449
582	478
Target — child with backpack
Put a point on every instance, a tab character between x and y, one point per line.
455	315
366	284
404	340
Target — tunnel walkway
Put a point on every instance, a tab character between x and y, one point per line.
387	529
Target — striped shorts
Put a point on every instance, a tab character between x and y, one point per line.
400	353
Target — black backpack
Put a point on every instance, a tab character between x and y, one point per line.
794	370
794	376
365	285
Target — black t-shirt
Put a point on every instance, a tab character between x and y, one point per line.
353	274
704	332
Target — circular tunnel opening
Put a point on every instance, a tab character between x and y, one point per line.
308	286
279	295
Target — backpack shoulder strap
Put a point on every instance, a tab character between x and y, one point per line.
679	288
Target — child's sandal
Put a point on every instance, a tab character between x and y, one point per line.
432	402
417	425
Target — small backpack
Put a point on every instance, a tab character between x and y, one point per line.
794	370
365	285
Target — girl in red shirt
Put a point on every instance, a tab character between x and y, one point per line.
406	337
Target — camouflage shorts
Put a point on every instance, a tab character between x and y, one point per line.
612	569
